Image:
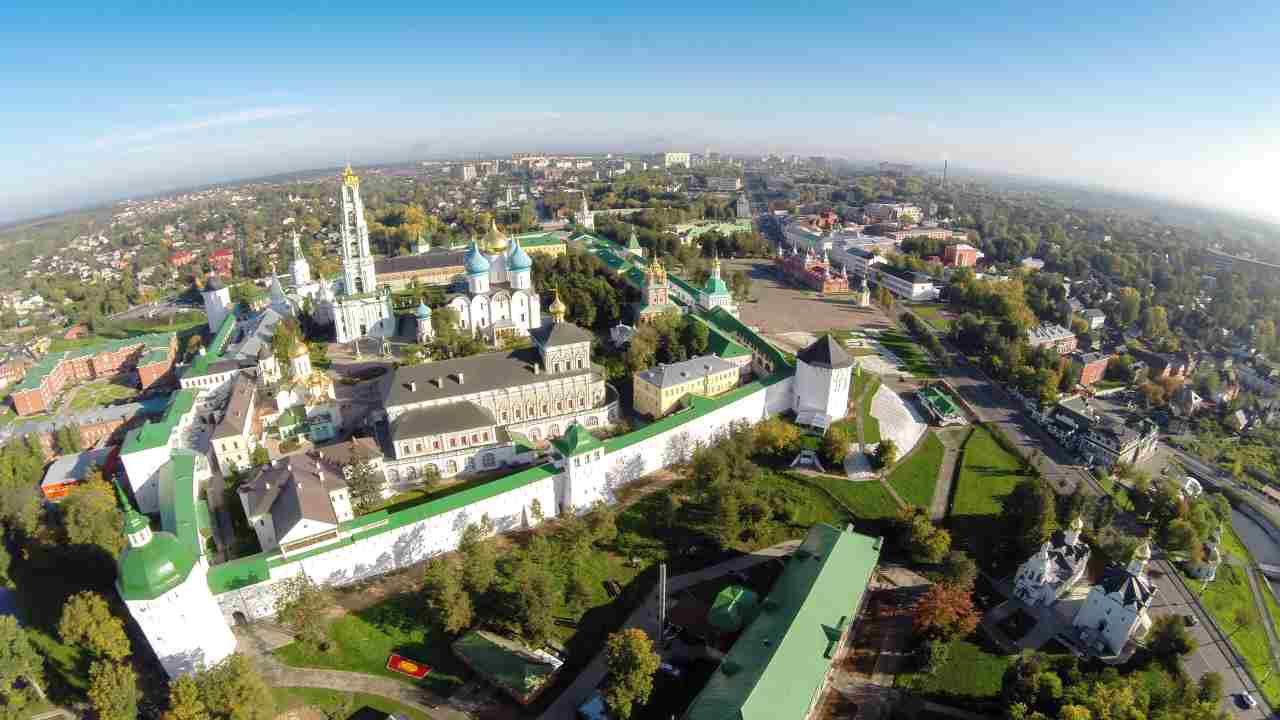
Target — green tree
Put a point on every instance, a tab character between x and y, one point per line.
429	477
363	480
113	690
87	622
260	456
959	569
479	560
234	690
535	604
777	437
5	562
1169	637
1128	303
1209	688
602	522
835	446
184	700
301	606
886	453
18	660
1028	513
91	516
632	664
447	603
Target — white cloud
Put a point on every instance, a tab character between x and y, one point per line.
240	117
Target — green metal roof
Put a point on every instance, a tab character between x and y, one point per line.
777	667
539	239
504	663
149	571
150	343
733	607
733	327
715	286
576	441
213	352
177	489
156	434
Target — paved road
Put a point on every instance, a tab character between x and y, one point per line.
645	617
1213	653
946	473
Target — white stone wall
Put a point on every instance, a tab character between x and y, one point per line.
142	470
596	480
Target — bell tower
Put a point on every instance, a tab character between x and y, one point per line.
357	261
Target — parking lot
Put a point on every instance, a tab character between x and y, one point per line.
777	307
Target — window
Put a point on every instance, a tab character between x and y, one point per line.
487	460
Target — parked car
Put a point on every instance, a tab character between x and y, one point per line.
1247	701
1191	620
671	669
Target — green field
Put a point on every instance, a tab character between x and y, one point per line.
932	314
988	472
866	500
970	672
870	425
328	701
1224	597
916	476
100	394
914	358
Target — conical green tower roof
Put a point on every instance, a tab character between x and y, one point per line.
149	569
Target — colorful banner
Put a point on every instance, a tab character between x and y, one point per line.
415	670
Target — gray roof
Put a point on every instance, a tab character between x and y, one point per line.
453	417
481	373
1136	591
343	452
239	407
426	261
74	467
825	352
293	488
561	333
1092	313
257	333
665	376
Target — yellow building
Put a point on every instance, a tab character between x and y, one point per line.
551	243
657	390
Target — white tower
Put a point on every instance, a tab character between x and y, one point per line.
217	303
580	454
300	269
425	332
823	372
585	217
299	361
164	585
357	262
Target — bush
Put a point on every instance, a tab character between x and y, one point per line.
932	655
835	445
886	454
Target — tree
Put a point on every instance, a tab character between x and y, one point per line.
925	542
777	437
1028	513
301	606
886	453
91	515
479	560
429	477
1128	303
603	522
1179	535
535	512
933	654
113	690
87	622
1169	638
362	479
18	659
1155	322
632	663
260	456
959	569
1209	688
234	690
5	561
535	599
835	445
447	603
184	700
945	611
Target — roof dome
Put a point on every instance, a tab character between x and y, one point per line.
557	306
519	259
423	311
476	263
149	571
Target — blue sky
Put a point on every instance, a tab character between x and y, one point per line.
1178	99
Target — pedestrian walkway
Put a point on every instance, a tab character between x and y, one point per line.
952	442
899	421
645	617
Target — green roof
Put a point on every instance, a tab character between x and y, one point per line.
150	343
779	664
147	572
156	434
715	286
219	342
213	352
720	344
177	489
508	665
539	239
733	327
732	608
576	441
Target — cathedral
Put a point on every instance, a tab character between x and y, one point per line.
500	300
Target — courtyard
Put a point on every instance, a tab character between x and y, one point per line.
777	307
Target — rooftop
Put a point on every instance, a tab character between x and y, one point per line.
156	434
452	417
825	352
675	374
464	376
292	489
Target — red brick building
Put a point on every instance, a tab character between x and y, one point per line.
221	260
12	371
960	255
811	272
150	355
1089	367
181	258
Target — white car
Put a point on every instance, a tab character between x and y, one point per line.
1247	700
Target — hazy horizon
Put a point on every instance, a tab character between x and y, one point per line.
1167	102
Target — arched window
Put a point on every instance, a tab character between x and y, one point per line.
452	467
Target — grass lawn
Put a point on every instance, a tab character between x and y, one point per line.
100	394
987	473
367	707
932	314
913	357
866	500
363	640
1227	593
870	425
971	672
916	476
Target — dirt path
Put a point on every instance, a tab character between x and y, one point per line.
953	441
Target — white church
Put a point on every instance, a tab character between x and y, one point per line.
1052	571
